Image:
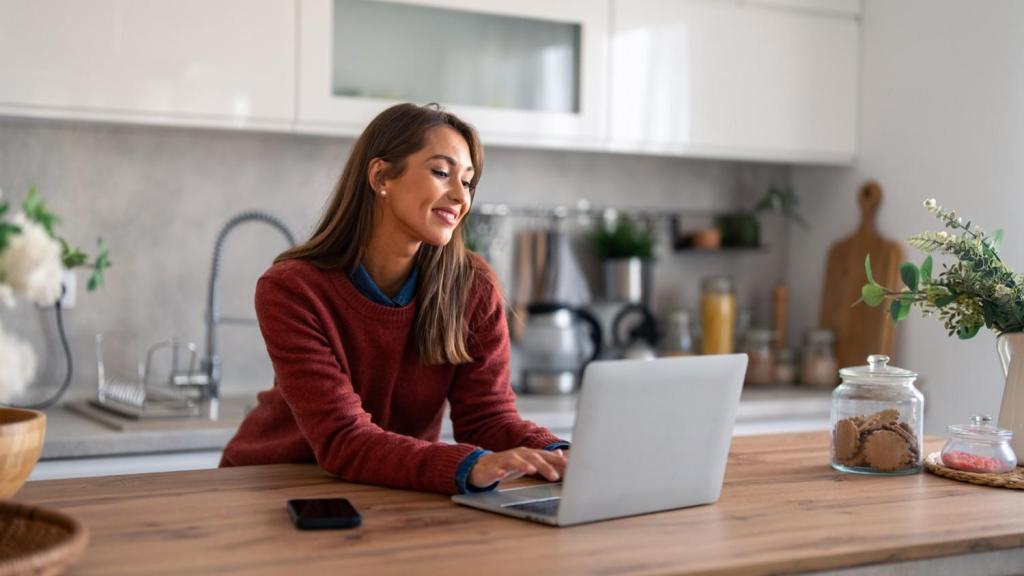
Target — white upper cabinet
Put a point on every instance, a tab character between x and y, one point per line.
527	72
724	79
193	62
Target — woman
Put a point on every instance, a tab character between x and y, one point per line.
382	316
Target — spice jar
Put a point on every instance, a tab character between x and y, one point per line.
877	420
818	365
785	366
678	338
761	357
979	447
718	315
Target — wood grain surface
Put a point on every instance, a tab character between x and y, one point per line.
860	330
22	433
782	509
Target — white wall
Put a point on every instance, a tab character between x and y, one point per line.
942	115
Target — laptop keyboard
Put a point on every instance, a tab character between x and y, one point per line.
547	507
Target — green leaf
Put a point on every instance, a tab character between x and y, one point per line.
872	294
35	210
867	270
926	270
943	301
899	309
995	240
909	274
967	332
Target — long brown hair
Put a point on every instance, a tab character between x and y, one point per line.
445	272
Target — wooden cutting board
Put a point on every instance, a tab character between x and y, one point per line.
860	330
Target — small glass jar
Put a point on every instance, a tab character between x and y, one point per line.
877	420
818	366
979	447
718	315
678	338
761	357
785	366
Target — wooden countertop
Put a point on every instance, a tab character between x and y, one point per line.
782	509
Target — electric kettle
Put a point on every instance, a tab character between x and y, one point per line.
557	342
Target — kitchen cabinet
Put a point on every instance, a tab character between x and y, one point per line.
527	72
719	78
188	62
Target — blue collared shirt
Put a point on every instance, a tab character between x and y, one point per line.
365	284
367	287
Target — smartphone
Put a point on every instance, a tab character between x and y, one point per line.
322	513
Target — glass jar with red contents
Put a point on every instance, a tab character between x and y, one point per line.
979	447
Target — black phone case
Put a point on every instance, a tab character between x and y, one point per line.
322	522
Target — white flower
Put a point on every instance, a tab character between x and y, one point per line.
31	263
952	237
1002	291
17	366
942	236
930	204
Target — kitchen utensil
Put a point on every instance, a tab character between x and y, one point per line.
639	341
860	330
780	314
564	281
979	447
22	433
877	420
555	347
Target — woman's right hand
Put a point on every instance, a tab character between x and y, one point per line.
511	464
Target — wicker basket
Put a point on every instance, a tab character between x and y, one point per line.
1013	479
21	442
38	541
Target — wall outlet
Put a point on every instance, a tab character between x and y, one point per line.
70	281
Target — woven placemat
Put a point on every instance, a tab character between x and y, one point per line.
1013	479
36	540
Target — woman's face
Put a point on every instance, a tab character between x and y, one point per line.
431	196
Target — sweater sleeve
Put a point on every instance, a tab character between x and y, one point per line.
327	409
483	408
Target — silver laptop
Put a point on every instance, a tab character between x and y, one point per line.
650	435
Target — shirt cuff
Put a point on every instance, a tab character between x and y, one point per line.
465	467
560	445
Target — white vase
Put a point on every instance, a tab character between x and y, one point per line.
1011	411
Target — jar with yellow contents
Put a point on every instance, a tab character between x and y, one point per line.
718	315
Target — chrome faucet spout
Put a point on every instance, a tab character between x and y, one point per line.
210	367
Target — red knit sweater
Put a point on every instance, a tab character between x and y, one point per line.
351	394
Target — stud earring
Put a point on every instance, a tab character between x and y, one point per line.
383	192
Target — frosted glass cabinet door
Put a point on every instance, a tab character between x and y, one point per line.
517	70
714	78
194	61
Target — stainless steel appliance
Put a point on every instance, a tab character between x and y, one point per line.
557	342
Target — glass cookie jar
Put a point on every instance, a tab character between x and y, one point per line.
979	447
877	420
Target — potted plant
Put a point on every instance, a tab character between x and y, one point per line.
743	229
977	290
32	263
626	248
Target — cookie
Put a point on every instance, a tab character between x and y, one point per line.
847	440
886	451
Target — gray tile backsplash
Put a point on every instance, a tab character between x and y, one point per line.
158	196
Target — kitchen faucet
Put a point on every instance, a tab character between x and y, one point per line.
208	378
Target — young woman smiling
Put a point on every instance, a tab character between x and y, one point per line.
383	316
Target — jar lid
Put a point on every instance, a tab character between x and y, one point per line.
877	370
717	284
980	428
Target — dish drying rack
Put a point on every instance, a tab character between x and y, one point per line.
142	396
